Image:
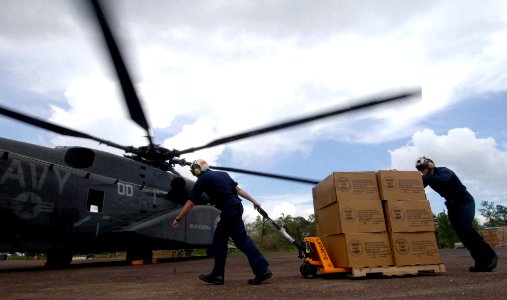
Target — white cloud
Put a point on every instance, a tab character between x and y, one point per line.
95	108
261	63
295	205
197	134
219	68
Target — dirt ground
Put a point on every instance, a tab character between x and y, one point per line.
177	279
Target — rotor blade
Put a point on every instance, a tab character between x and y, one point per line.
54	128
283	125
129	92
289	178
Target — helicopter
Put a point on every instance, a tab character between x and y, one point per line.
73	199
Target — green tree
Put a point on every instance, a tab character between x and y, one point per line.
267	237
298	227
495	215
446	236
262	233
445	233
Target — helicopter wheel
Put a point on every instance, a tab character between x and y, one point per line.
134	255
308	271
58	258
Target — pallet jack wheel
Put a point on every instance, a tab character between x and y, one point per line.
307	270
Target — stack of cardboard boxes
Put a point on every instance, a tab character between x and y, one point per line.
368	219
350	220
495	236
409	218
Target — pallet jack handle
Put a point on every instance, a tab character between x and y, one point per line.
282	231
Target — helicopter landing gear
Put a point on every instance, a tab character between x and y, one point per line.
134	255
58	258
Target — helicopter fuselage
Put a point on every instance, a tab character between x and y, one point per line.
87	200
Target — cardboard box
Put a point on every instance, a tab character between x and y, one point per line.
408	216
401	185
359	249
495	237
414	248
491	240
502	236
345	186
350	216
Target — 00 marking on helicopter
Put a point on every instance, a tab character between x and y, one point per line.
125	189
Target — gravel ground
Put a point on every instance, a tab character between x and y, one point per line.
177	279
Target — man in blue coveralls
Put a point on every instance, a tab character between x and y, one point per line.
224	191
461	210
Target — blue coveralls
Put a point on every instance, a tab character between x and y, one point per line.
461	210
221	189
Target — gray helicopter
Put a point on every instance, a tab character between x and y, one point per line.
67	200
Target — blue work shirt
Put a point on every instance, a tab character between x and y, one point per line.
219	186
447	184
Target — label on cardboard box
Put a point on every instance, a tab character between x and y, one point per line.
345	186
494	236
359	249
350	216
408	216
414	248
400	185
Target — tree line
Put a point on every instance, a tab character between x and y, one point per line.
267	237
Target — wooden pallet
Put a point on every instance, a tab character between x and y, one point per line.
438	269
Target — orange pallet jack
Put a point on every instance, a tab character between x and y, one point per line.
316	259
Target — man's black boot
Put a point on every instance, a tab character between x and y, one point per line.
486	268
217	280
261	278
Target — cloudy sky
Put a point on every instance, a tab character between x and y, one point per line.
208	69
